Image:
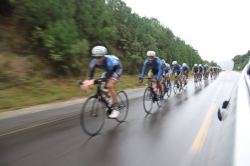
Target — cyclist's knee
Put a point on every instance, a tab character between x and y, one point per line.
111	84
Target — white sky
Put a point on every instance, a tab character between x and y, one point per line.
218	29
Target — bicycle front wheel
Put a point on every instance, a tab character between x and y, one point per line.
169	91
160	98
92	116
176	86
123	106
148	100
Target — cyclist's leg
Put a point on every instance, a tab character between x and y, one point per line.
111	86
180	79
158	82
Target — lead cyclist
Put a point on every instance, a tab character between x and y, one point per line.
113	70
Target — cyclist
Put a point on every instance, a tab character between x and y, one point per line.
178	69
195	70
166	72
200	71
185	70
206	71
211	70
156	69
113	70
215	71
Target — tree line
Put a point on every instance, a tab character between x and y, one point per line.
63	32
240	61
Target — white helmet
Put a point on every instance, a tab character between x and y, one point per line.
184	64
151	53
195	65
99	50
163	61
200	65
174	63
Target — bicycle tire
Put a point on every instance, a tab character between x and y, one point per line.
175	86
89	114
122	100
169	91
195	81
159	99
148	96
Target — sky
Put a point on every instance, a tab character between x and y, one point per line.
218	29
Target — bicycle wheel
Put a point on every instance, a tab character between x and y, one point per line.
123	105
196	81
169	90
160	99
148	100
92	115
176	85
200	80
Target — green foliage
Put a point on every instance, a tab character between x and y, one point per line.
213	63
64	32
240	61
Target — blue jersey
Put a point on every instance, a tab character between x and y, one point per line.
195	68
185	68
166	68
177	69
110	63
155	65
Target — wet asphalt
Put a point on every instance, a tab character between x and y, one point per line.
184	131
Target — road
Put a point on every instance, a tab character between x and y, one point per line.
185	131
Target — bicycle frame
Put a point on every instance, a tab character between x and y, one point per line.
99	95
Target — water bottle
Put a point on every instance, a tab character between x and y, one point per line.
155	90
106	98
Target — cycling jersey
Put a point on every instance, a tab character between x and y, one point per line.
156	67
200	68
178	69
205	69
195	69
111	64
166	68
185	68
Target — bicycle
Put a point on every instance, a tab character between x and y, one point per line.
93	112
176	84
206	75
167	86
196	80
184	80
151	96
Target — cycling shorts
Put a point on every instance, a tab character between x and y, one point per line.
115	76
152	72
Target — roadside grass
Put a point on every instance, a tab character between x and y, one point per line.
41	91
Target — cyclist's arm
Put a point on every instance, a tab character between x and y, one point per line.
159	70
172	70
180	70
91	70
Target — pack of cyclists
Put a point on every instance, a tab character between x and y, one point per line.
158	69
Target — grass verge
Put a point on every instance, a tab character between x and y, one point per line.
46	91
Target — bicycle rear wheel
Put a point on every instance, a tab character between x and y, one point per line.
92	115
148	100
196	81
169	91
176	85
184	82
123	106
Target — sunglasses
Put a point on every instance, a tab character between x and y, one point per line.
97	57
